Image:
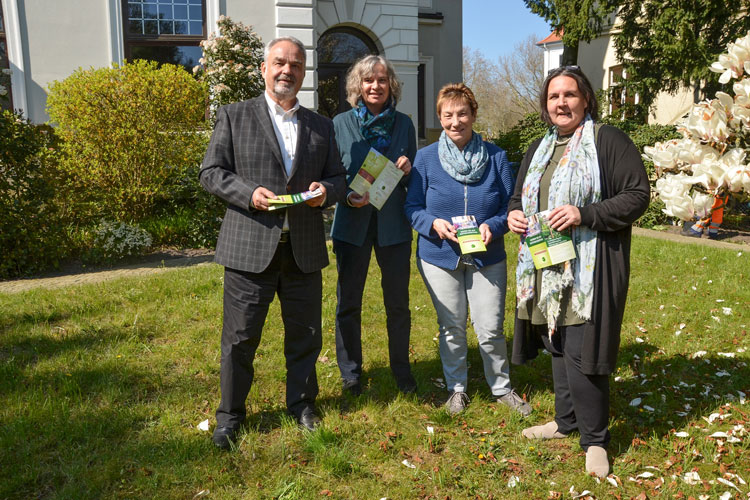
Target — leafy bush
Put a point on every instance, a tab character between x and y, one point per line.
116	240
31	237
230	65
128	132
644	135
517	140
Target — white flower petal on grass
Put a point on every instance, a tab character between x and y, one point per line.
203	426
408	464
681	434
743	397
698	354
613	482
514	481
619	379
635	402
640	340
723	373
735	476
725	354
726	310
648	408
719	434
727	483
201	493
430	429
725	496
691	477
716	318
645	475
579	495
681	413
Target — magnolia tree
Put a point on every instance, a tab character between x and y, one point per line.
231	64
711	159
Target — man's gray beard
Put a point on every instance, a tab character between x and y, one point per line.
284	92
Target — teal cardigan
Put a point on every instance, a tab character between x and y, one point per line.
350	224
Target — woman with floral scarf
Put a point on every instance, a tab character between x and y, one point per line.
359	228
593	182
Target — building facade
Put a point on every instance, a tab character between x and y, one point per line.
43	41
598	60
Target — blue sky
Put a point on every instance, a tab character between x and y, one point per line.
495	26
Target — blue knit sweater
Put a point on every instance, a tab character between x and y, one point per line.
433	194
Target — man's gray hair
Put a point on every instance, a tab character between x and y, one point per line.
292	39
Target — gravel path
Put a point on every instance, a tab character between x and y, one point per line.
154	264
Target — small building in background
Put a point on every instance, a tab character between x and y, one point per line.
598	60
42	41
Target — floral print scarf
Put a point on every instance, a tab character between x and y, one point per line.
377	130
575	182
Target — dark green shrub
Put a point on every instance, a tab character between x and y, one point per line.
517	140
31	233
644	135
129	133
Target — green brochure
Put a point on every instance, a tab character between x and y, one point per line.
286	200
467	232
377	176
547	246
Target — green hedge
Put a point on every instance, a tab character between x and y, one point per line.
32	236
129	133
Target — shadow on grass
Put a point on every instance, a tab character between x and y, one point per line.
678	389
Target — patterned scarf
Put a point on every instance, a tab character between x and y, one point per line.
465	166
574	182
377	130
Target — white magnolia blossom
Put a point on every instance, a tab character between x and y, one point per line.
738	178
674	191
737	59
708	121
712	157
677	154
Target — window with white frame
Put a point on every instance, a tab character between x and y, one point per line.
166	31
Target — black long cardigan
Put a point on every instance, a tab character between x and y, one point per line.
625	196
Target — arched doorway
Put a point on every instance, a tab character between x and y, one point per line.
337	49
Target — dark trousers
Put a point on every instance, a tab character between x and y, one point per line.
581	401
352	262
246	300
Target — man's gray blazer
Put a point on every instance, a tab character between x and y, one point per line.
244	154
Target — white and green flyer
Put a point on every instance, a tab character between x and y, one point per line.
467	232
287	200
377	176
547	246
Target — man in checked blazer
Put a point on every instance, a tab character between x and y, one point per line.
261	147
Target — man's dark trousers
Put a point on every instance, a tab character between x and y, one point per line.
247	297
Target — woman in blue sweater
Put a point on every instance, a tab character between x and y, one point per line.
359	228
463	175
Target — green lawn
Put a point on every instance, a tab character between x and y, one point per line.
102	388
